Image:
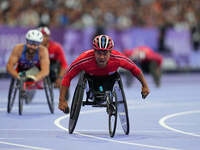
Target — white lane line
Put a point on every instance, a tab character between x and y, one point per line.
11	138
24	146
2	109
29	130
20	145
122	132
163	124
128	143
58	120
25	107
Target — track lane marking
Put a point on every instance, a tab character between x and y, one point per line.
163	124
24	146
58	120
20	145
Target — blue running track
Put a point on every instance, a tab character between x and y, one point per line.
169	119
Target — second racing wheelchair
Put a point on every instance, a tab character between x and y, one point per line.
24	88
102	91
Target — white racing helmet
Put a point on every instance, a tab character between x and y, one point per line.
34	36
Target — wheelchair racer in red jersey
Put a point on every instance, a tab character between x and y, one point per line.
102	60
58	62
149	61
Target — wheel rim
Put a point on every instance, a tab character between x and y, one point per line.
21	98
112	115
11	95
49	94
122	107
76	103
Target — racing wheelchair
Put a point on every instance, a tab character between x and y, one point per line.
25	85
101	92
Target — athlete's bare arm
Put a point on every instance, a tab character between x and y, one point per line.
62	103
145	88
44	63
13	59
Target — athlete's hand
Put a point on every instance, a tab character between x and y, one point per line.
21	75
63	106
145	92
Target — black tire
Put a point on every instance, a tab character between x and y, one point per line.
122	107
21	96
11	94
48	87
112	115
76	103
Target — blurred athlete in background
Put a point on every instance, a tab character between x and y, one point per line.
30	59
148	60
58	62
101	61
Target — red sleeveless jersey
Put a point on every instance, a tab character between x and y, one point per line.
57	53
87	62
150	55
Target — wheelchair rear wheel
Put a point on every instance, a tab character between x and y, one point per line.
122	106
112	112
76	103
48	87
11	94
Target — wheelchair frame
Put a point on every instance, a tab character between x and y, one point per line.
20	85
114	101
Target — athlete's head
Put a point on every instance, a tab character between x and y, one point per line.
103	42
102	45
33	39
46	34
